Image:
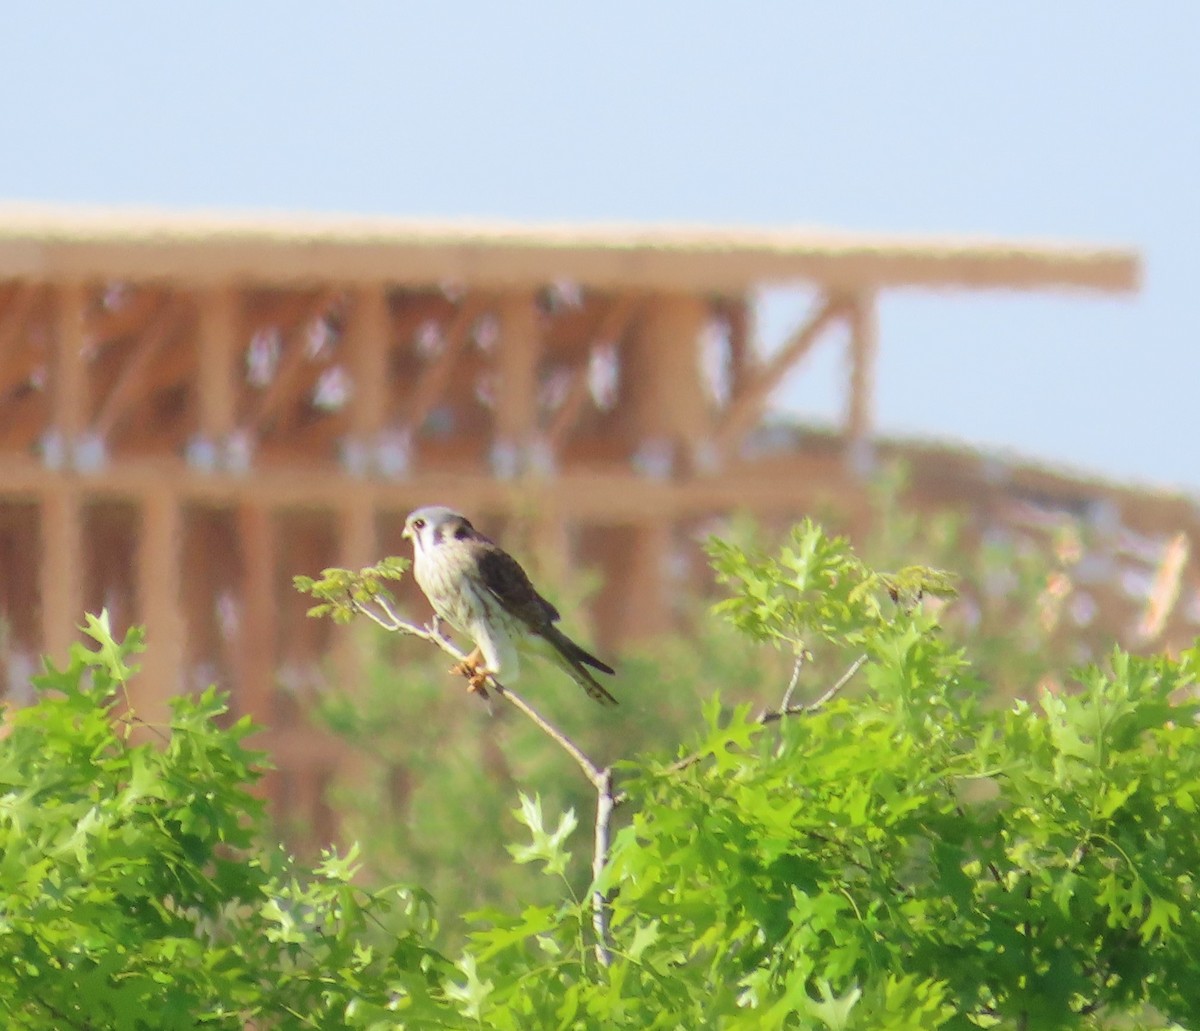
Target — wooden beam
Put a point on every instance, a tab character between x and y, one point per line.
645	610
368	347
133	381
739	316
517	352
609	493
58	243
218	342
258	629
158	588
19	359
864	343
17	377
618	316
357	534
22	301
292	360
611	329
69	394
23	419
176	367
567	414
662	394
107	325
613	493
358	546
1164	592
551	538
20	610
436	377
409	311
746	407
61	567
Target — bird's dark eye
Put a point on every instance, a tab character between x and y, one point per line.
418	524
462	532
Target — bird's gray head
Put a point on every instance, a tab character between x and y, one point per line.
430	526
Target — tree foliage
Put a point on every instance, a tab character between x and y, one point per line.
911	853
136	891
914	855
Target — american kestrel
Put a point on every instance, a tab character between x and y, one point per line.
482	592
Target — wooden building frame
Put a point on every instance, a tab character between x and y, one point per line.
179	393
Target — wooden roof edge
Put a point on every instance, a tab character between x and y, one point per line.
65	240
1001	465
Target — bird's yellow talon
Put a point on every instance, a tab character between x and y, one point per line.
476	674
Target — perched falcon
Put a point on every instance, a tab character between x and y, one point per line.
483	593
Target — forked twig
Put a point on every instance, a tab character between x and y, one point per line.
785	709
600	779
791	688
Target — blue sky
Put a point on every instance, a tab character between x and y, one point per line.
1076	121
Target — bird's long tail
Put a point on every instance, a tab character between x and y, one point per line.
574	660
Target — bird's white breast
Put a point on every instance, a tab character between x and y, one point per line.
450	581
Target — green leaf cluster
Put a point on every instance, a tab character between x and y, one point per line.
813	589
908	854
136	891
338	590
906	858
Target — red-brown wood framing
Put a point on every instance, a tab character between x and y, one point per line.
194	408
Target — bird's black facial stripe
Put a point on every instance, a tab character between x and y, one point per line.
463	532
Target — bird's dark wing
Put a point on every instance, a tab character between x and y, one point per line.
503	576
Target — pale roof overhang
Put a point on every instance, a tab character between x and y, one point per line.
68	243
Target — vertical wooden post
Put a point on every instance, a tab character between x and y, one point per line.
62	555
258	644
69	392
357	535
218	362
740	317
551	540
369	342
358	544
158	586
645	604
669	413
661	380
517	351
863	347
61	567
20	561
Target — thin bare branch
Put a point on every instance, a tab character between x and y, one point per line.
801	710
390	621
773	715
594	774
791	688
605	803
601	779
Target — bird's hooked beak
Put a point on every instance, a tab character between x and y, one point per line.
408	534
